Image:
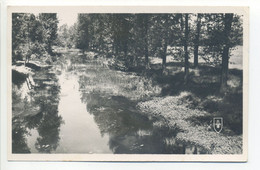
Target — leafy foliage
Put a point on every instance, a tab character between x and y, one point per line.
33	35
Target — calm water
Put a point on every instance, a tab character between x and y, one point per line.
74	109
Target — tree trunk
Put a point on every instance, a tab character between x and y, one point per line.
224	71
164	55
165	44
135	57
146	53
147	65
196	42
182	25
186	49
225	55
50	49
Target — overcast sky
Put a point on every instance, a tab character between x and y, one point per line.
67	17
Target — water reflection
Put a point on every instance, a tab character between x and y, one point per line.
129	130
38	111
80	133
48	131
19	144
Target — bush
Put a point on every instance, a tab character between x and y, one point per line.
38	49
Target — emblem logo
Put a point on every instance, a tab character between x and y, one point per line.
218	124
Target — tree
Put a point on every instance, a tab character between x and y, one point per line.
73	35
120	33
50	25
164	32
140	38
146	52
33	35
186	64
19	35
196	41
64	36
165	41
225	55
83	32
67	36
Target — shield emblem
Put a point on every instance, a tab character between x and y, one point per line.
218	124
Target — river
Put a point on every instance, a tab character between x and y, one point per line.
77	107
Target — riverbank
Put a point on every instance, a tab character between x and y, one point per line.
191	107
176	111
24	82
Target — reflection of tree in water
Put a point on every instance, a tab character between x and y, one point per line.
128	130
115	115
19	130
33	121
49	125
48	130
19	144
47	121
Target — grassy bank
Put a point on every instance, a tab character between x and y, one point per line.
195	130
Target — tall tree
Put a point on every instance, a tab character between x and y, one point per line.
196	41
139	38
83	32
50	24
17	35
225	55
186	64
146	52
63	35
165	40
125	33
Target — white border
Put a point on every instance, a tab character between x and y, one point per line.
131	157
254	91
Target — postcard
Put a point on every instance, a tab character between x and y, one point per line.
129	83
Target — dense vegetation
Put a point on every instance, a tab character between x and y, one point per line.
132	38
33	36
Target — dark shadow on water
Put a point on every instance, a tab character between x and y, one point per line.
19	144
18	78
44	118
130	131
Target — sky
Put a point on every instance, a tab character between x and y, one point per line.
67	17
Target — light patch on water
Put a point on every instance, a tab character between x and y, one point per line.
23	91
158	124
31	140
142	133
79	133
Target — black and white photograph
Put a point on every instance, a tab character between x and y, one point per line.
128	85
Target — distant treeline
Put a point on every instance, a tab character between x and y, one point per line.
133	38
